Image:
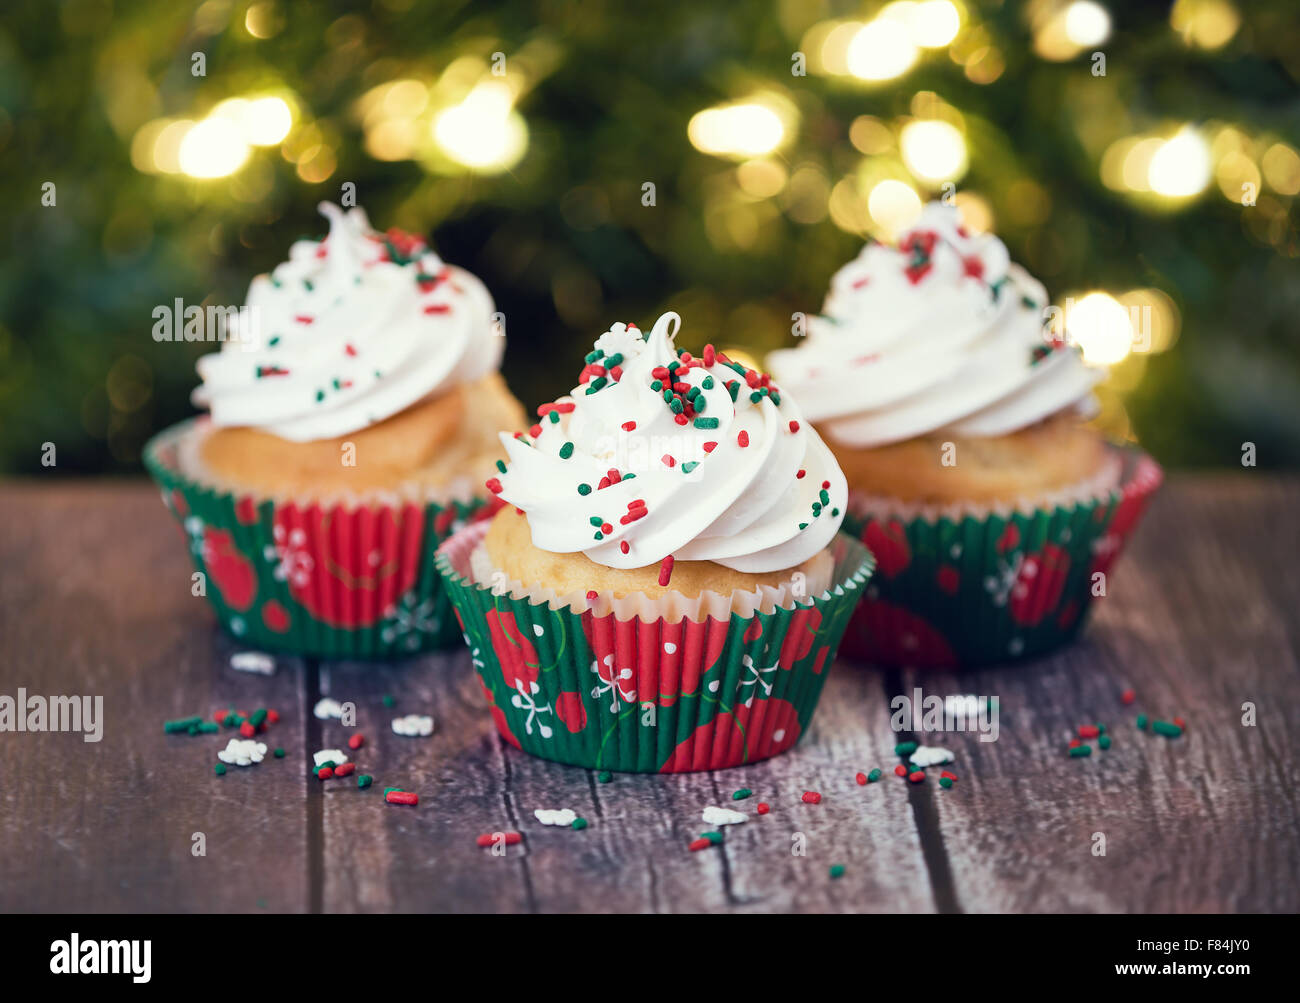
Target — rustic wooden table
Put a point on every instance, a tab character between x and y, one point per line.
94	599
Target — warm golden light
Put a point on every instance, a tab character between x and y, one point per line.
1101	327
933	150
1087	23
742	130
1281	166
483	132
1207	24
881	50
1180	168
214	148
267	121
894	205
933	23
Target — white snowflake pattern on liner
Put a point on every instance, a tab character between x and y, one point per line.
556	816
253	661
327	708
931	755
242	752
723	816
329	755
414	725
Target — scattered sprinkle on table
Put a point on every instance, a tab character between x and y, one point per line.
253	661
345	769
945	782
364	780
1127	697
904	748
873	776
356	741
331	756
242	752
1080	750
741	794
1142	722
604	776
900	770
1104	741
722	816
763	808
327	708
1089	731
279	753
508	838
811	797
916	776
414	725
181	725
579	823
699	844
556	816
219	769
325	772
930	755
388	700
861	778
401	797
1166	728
836	871
712	837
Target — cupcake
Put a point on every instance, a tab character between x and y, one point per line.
993	510
667	587
353	414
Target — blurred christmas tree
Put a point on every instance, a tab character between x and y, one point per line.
1143	153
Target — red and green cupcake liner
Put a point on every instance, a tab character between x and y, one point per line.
987	588
647	695
326	580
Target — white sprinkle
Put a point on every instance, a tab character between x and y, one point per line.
556	816
242	752
253	661
931	755
328	755
723	816
537	629
669	647
414	725
327	708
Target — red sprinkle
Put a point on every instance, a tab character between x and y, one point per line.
356	741
622	545
493	484
1089	731
247	730
794	426
1180	722
401	797
742	440
345	769
1128	696
665	570
535	431
324	773
302	318
1075	743
710	447
699	844
629	426
861	778
273	716
668	461
916	777
900	770
763	808
438	308
488	838
811	797
710	356
800	475
592	594
950	776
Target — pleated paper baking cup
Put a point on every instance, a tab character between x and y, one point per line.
568	679
962	589
322	579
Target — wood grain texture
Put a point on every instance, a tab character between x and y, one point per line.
95	599
1202	617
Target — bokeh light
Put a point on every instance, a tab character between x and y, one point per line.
881	50
213	148
483	132
1180	167
1101	327
894	205
1206	24
743	130
933	150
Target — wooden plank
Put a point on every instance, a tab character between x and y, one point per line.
1201	617
633	856
95	599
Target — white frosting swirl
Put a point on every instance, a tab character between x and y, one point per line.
349	331
746	483
940	332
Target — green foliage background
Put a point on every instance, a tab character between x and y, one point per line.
562	239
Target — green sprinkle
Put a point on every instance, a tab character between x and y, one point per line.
733	388
701	404
1104	741
279	753
706	423
388	700
593	356
320	396
389	790
825	496
668	395
604	776
689	466
307	283
208	727
1080	750
615	360
554	417
676	406
803	525
741	794
596	384
1166	728
329	762
595	520
579	823
364	780
219	769
1142	722
755	397
628	477
707	383
657	386
274	341
873	776
904	748
836	871
584	489
693	393
566	450
501	466
258	717
1101	728
835	511
713	837
181	724
945	782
